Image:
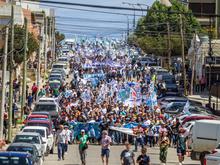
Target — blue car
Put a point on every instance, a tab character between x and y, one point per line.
15	158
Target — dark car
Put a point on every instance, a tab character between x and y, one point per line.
194	108
27	148
172	88
15	158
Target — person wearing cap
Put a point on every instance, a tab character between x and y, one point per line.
105	149
127	155
68	134
83	145
61	140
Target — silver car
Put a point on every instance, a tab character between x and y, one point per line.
32	138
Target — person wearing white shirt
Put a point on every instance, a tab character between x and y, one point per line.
61	140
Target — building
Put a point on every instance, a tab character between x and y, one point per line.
200	8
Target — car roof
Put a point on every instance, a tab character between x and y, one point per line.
37	116
45	103
47	98
39	121
21	145
12	153
28	133
59	63
41	112
35	127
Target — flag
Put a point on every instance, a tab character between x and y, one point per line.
186	108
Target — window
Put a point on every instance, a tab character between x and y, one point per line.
4	160
40	131
206	8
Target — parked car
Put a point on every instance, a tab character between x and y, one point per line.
194	118
27	148
35	117
50	107
44	123
47	137
15	158
42	113
32	138
212	159
177	108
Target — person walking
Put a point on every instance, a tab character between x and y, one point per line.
127	155
181	145
105	143
139	132
143	159
68	134
83	145
164	144
61	140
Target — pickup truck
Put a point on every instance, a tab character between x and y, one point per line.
46	137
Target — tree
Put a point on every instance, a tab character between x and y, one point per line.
59	37
19	39
152	29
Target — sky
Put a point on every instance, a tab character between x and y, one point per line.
73	22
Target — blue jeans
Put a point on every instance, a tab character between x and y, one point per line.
140	141
61	150
65	147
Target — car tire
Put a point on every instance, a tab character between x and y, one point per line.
48	151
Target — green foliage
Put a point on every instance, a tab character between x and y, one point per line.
151	31
19	40
59	37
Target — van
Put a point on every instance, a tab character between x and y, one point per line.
205	138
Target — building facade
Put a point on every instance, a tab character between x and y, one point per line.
200	8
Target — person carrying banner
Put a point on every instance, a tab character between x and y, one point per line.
139	139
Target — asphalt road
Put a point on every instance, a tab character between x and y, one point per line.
93	156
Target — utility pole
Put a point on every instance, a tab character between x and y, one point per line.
39	57
11	76
183	55
193	64
45	46
169	45
50	36
3	83
54	39
210	61
24	69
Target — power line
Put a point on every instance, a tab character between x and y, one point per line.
87	10
90	5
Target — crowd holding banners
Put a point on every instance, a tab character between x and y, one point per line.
123	99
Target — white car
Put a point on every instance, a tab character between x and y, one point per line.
46	137
212	159
32	138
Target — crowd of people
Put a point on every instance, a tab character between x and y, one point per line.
114	92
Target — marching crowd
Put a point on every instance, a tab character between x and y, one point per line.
87	101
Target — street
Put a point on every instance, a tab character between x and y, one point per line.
93	156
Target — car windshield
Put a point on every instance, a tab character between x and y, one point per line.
58	66
27	139
21	149
45	107
40	131
13	160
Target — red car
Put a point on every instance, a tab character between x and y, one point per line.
44	123
192	118
35	117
